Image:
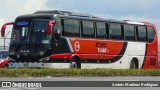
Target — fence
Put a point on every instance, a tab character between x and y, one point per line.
4	43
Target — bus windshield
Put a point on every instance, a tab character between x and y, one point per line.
19	35
34	33
38	33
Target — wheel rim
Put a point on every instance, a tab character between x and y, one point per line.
133	65
73	65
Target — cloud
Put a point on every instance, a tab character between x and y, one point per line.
114	7
1	22
13	8
10	9
32	6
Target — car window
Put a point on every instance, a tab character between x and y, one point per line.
3	54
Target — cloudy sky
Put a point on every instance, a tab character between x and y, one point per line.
135	10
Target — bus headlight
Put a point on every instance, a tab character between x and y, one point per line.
10	59
44	59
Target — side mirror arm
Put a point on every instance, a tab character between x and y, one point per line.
4	28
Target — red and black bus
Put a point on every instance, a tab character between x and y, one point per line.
63	39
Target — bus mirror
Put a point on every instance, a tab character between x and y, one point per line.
4	28
50	26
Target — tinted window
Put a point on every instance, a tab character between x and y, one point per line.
142	33
38	32
129	32
101	31
151	34
71	28
115	31
87	29
3	54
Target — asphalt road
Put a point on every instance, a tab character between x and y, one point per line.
91	79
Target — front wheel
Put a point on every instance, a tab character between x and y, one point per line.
75	62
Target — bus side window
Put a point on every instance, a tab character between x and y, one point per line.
71	28
101	30
129	33
88	29
115	31
151	34
142	35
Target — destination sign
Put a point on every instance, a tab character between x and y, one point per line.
22	23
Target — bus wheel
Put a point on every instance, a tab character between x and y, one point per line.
134	64
75	62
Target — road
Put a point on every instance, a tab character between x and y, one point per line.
91	79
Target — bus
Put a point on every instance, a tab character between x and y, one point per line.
64	39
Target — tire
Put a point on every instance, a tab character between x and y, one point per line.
134	64
75	63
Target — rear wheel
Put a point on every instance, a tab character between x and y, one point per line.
134	64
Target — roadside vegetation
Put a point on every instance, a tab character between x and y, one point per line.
27	72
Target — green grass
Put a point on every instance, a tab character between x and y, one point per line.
26	72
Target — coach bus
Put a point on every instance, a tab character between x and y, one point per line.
63	39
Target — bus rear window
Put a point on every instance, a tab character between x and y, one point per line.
151	34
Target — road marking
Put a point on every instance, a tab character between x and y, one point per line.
128	80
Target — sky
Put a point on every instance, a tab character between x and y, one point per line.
134	10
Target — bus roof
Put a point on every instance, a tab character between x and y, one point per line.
65	13
77	15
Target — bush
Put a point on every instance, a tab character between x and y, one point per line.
43	72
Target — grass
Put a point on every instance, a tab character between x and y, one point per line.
27	72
